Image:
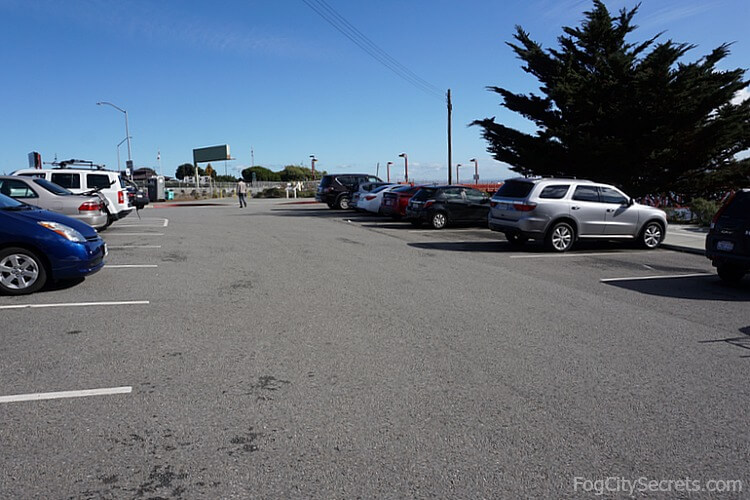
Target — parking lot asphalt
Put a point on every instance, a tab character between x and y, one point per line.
287	350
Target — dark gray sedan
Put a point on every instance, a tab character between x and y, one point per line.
49	196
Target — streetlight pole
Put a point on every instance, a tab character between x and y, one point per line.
406	167
388	171
312	165
476	170
127	133
118	153
458	166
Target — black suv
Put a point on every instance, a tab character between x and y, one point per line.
441	205
336	189
728	241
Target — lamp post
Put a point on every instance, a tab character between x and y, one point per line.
388	171
127	134
312	165
458	181
476	170
118	153
406	167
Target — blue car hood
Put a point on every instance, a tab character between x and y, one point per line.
36	215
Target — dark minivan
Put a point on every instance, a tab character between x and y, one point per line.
336	190
728	241
442	205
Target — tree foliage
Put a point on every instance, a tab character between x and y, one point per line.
262	174
187	170
630	114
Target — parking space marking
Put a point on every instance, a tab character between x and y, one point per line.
558	255
135	234
77	304
39	396
129	266
162	223
663	277
133	246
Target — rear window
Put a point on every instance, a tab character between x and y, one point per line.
424	194
555	192
406	189
326	181
380	188
52	188
514	189
68	181
740	206
97	181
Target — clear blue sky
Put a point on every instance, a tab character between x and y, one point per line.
274	76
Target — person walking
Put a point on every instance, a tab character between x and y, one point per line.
242	192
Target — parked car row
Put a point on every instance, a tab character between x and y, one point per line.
49	220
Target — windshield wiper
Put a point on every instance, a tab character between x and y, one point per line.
17	207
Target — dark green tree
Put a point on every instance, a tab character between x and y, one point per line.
295	173
630	114
187	170
261	174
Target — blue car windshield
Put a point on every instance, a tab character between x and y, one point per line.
8	202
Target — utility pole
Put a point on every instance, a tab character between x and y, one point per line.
252	157
450	145
377	170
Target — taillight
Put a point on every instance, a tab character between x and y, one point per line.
90	206
724	205
524	207
120	197
493	204
429	203
370	197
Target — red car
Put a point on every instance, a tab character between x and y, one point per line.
394	202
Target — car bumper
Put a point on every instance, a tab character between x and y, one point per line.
79	260
122	214
95	221
418	215
529	226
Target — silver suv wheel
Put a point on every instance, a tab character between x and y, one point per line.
652	235
561	237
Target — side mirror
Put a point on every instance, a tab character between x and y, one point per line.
631	202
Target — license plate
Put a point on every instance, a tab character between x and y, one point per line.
503	206
725	246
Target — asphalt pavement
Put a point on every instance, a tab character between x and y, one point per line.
288	350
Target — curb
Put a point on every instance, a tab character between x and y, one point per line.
678	248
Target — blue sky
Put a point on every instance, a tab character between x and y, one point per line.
274	76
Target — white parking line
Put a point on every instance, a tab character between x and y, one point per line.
664	277
569	255
129	266
133	246
134	234
137	225
66	394
78	304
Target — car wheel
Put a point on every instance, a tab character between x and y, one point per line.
730	273
515	239
21	271
651	236
561	237
343	203
439	220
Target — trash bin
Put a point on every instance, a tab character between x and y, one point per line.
156	188
169	194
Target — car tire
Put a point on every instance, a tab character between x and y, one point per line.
342	203
438	220
730	273
516	239
651	235
560	237
21	271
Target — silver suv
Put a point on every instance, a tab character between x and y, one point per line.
561	211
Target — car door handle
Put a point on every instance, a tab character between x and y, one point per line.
575	208
610	210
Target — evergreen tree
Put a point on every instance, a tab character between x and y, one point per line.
629	114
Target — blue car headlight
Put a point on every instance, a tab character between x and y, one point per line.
65	231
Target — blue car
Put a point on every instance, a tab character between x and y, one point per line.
37	245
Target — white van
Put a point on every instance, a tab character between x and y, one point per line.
80	180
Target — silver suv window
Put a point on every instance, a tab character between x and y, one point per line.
514	189
586	193
556	192
609	195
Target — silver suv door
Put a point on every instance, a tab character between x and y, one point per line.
588	211
622	218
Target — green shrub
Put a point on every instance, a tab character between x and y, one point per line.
704	210
273	192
